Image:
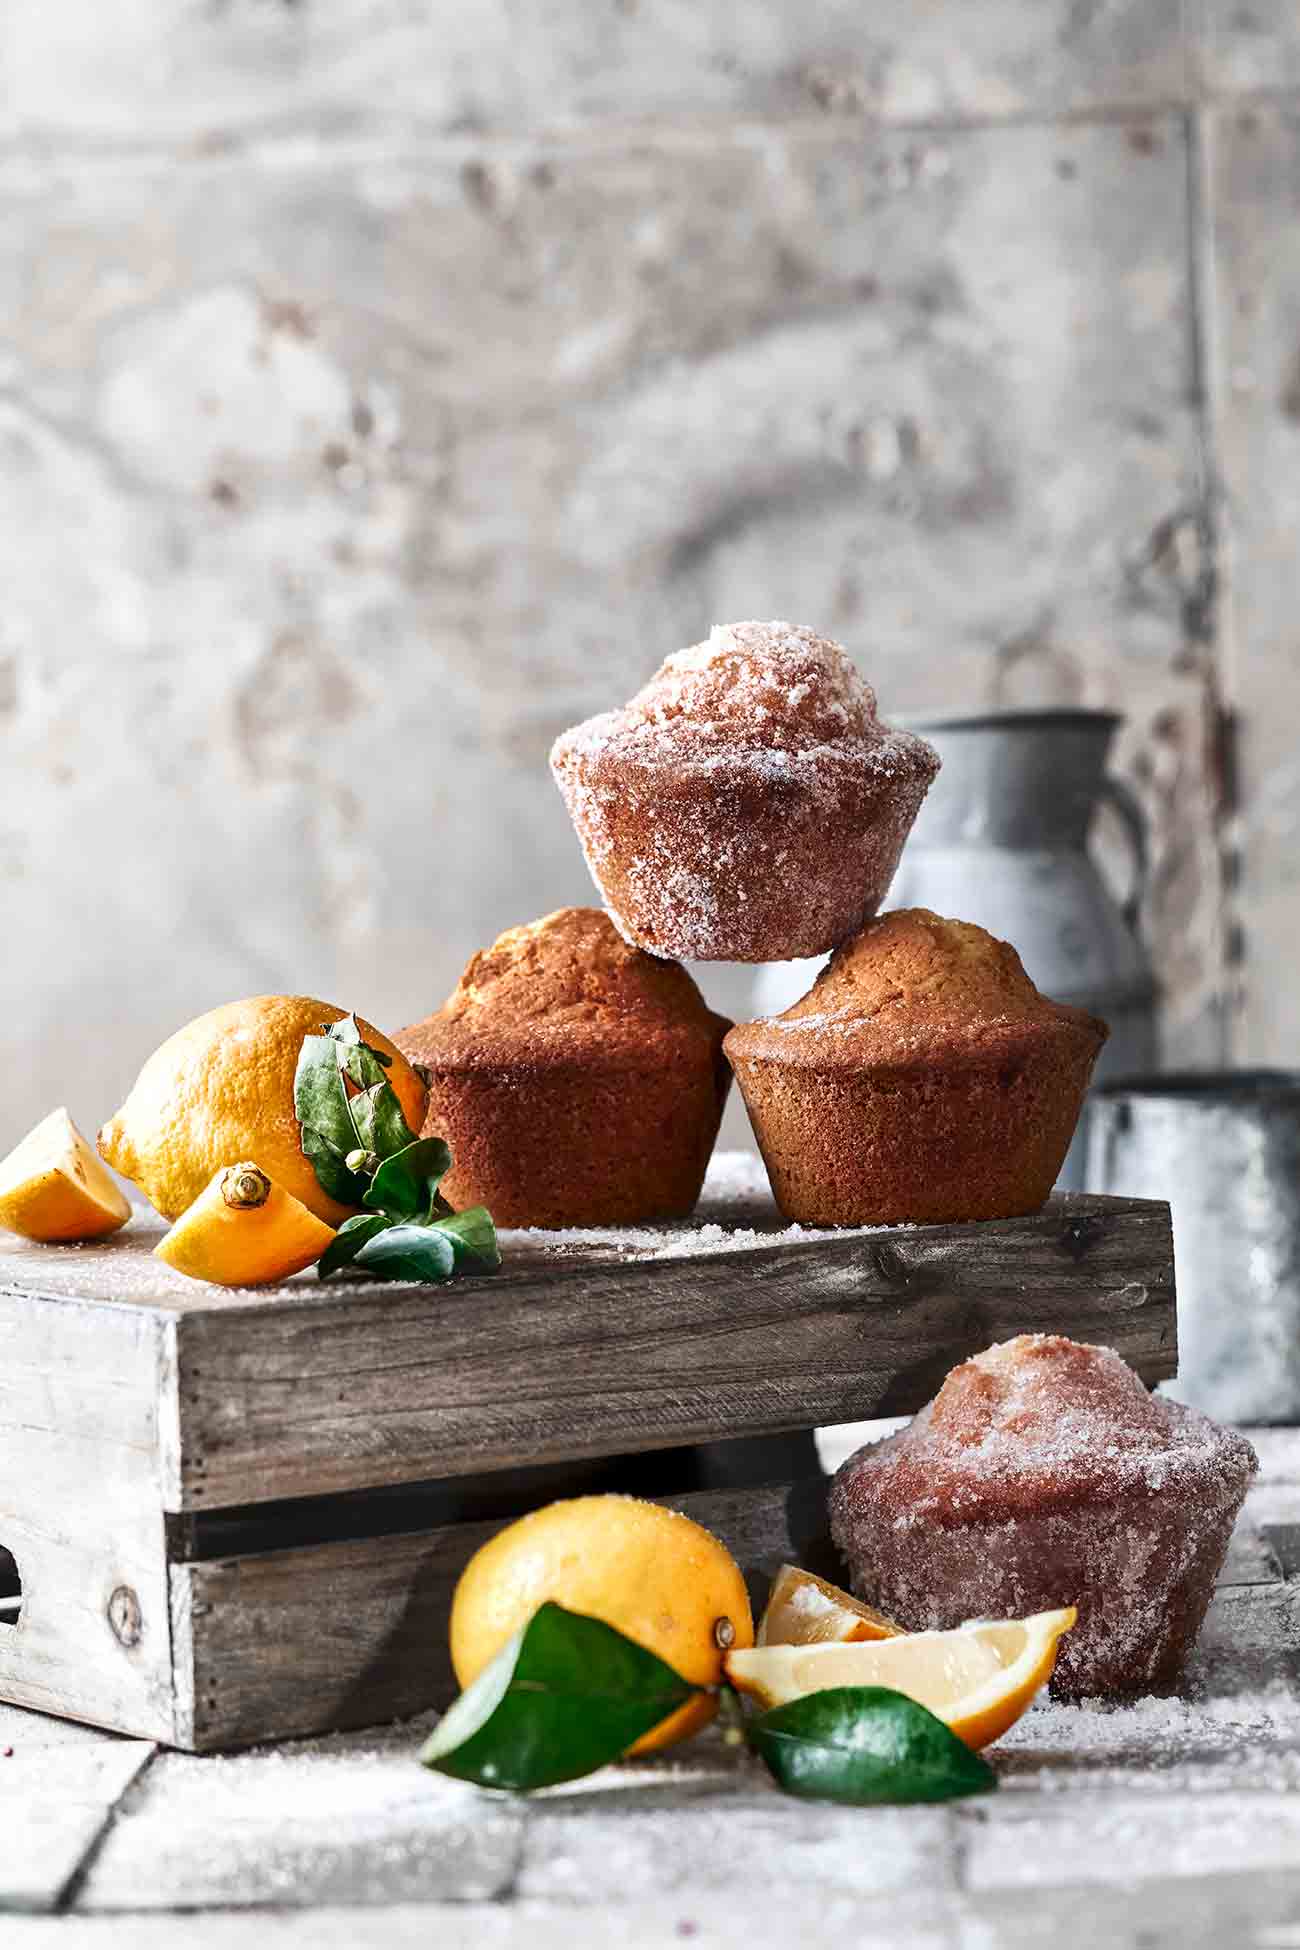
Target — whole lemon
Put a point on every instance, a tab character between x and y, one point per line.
655	1575
221	1089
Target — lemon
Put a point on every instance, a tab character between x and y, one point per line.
803	1609
655	1575
221	1089
52	1186
244	1231
978	1679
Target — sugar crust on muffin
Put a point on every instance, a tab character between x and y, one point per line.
1043	1473
747	804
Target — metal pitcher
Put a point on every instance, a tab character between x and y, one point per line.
1002	839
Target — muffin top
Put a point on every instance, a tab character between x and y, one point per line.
911	990
1040	1423
771	692
565	989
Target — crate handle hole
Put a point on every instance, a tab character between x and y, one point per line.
11	1589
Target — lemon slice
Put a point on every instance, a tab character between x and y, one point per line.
803	1609
53	1187
978	1679
244	1230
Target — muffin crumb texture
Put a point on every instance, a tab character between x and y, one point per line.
577	1081
1044	1474
747	804
923	1077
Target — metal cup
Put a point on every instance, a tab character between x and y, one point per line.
1224	1148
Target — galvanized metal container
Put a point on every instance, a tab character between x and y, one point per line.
1224	1148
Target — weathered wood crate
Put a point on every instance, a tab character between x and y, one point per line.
226	1517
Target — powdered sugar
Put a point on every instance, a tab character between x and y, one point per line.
747	804
736	1213
1044	1474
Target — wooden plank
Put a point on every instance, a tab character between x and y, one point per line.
348	1634
81	1497
340	1391
610	1343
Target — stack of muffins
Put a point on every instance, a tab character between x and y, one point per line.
749	805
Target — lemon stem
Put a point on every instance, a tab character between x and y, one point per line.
244	1186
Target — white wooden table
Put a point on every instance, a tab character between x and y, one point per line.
1168	1822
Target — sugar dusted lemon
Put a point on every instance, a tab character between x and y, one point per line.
655	1575
803	1609
53	1187
978	1679
221	1088
243	1230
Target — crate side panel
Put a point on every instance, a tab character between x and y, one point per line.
300	1641
81	1513
598	1358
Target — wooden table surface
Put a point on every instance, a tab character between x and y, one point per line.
1168	1822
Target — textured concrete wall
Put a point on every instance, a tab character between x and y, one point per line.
384	385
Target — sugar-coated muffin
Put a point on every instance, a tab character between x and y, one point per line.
1044	1474
922	1077
748	804
577	1081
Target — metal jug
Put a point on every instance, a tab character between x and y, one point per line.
1002	839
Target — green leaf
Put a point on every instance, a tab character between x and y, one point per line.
866	1744
345	1103
348	1032
473	1236
406	1184
380	1121
566	1695
373	1105
407	1252
347	1242
320	1102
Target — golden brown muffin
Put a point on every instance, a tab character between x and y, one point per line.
922	1077
748	804
1044	1474
577	1081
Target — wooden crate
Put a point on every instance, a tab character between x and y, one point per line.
226	1517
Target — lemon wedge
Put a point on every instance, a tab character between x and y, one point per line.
53	1187
244	1230
978	1679
803	1609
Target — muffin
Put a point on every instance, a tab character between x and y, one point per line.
577	1081
1044	1474
922	1077
748	804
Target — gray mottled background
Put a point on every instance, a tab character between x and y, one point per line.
385	384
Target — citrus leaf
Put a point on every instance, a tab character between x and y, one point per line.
406	1184
347	1242
473	1236
320	1102
381	1125
566	1695
332	1174
373	1105
407	1252
866	1744
348	1032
